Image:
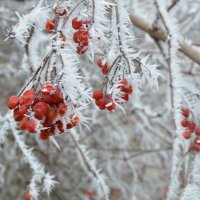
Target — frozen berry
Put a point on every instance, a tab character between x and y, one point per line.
62	109
23	124
197	130
41	109
23	110
31	126
47	89
57	96
17	116
185	123
50	25
13	102
185	112
97	94
77	23
186	134
111	107
106	69
44	135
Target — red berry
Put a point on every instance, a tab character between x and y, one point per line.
44	135
62	109
195	148
23	124
60	126
23	110
100	62
63	12
97	94
26	100
185	123
53	113
32	125
81	49
69	126
17	116
191	126
106	69
101	103
48	99
51	130
128	89
27	196
50	25
75	120
123	83
197	130
77	23
29	93
41	109
186	134
57	96
13	102
111	107
75	37
47	89
125	97
185	112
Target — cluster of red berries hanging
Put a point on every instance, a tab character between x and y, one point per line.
42	112
81	36
103	65
190	128
102	99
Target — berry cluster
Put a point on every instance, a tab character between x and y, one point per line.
103	102
81	36
105	67
106	101
191	127
42	112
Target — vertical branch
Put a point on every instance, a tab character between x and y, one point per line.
177	172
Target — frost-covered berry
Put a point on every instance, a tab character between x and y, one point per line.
60	126
41	109
197	130
23	110
101	103
57	96
13	102
191	125
186	134
98	94
77	23
17	116
106	69
62	109
111	107
185	123
23	124
185	112
50	25
47	89
44	135
100	62
31	126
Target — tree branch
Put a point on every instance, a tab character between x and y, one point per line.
158	34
